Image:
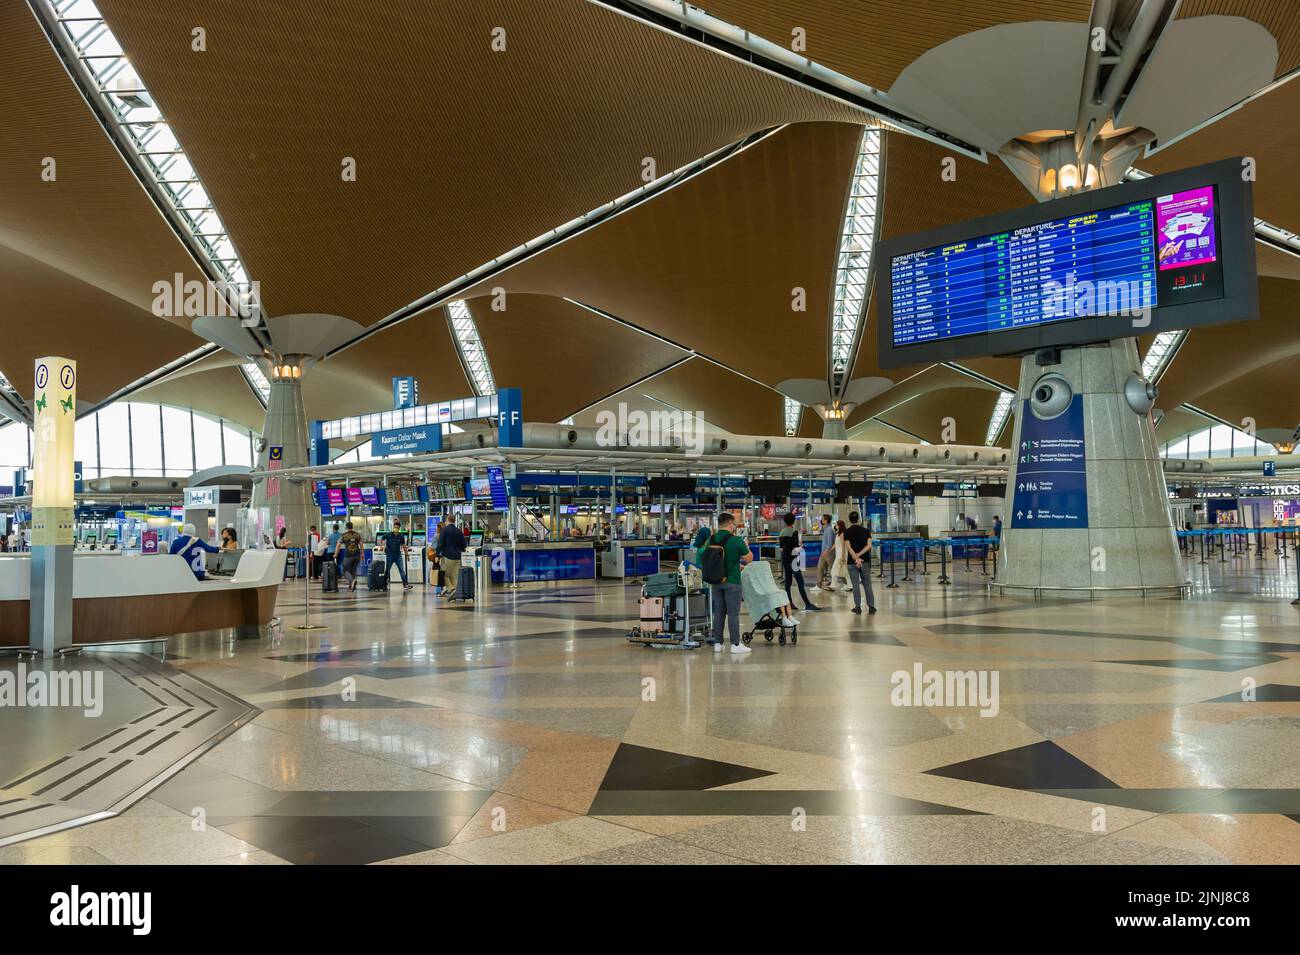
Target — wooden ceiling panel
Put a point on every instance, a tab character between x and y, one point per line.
94	221
1223	361
712	264
359	379
1265	129
874	42
917	198
462	152
725	399
48	312
925	415
562	356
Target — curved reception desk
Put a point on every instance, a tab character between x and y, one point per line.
118	599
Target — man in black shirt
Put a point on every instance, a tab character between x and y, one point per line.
857	544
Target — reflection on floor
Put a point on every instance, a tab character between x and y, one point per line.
526	730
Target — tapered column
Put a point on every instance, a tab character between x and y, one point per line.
279	501
1087	506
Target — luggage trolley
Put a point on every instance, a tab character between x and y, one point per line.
673	611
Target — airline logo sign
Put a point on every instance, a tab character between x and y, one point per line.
1051	490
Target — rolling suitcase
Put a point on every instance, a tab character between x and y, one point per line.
329	577
377	575
464	584
652	614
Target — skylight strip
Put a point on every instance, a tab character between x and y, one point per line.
1161	353
473	356
998	420
793	413
853	267
122	101
257	381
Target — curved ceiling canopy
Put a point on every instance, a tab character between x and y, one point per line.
471	125
716	264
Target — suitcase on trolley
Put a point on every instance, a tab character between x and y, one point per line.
377	575
329	577
651	614
464	584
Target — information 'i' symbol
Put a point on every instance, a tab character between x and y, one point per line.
42	376
67	377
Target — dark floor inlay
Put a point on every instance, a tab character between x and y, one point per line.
1036	766
362	701
642	768
763	802
1218	664
1268	693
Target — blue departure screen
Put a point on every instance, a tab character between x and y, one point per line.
1048	272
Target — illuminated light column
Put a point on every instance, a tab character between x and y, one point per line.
279	502
54	426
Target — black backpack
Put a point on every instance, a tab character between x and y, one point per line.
713	562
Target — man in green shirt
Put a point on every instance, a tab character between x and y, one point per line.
726	596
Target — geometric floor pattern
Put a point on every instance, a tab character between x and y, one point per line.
525	729
66	764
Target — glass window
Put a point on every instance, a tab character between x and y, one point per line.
146	439
13	450
238	451
114	440
86	444
207	443
179	441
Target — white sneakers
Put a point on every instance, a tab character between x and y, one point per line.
740	648
717	647
789	622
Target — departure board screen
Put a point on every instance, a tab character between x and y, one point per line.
1094	263
1153	254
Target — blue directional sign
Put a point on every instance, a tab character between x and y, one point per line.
497	484
1051	489
1270	469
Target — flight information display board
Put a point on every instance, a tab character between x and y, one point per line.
1165	252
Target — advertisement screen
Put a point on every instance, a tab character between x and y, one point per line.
354	495
479	489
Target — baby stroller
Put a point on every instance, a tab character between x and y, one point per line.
764	600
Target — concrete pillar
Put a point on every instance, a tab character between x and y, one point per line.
286	430
1127	539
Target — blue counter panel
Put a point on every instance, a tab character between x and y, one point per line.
640	561
568	563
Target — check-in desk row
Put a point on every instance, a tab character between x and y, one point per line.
120	598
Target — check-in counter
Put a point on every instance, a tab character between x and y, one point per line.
630	557
770	547
525	562
118	598
977	547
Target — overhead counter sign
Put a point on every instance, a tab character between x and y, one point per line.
420	439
